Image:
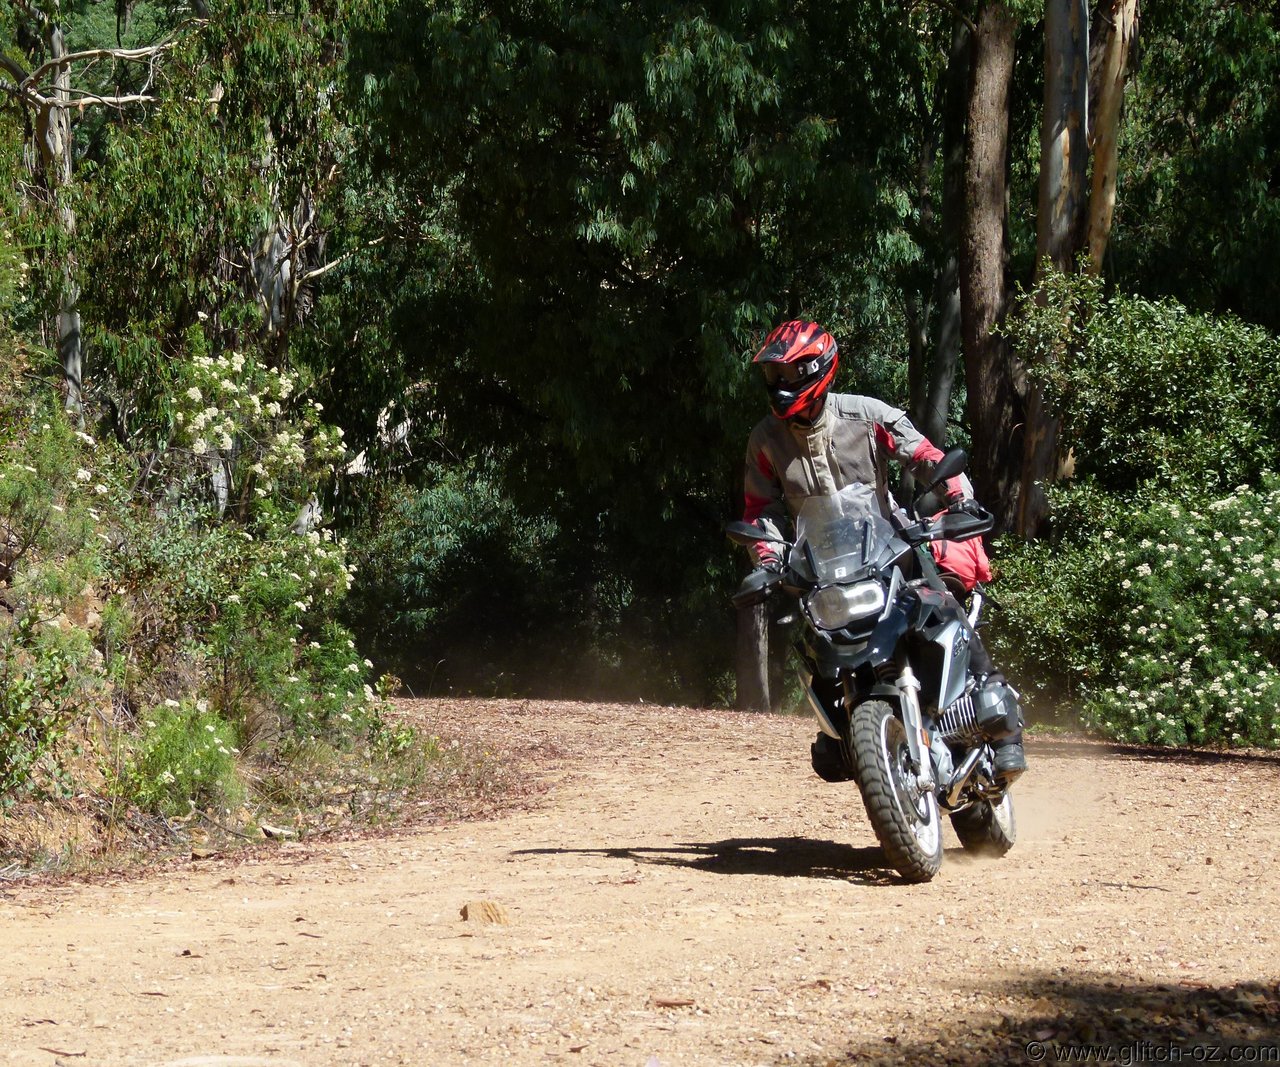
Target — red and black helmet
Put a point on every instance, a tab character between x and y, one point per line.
799	362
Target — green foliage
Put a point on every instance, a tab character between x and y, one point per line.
1152	393
1197	216
49	559
184	758
463	588
1167	619
244	619
106	598
553	149
35	687
522	253
612	203
197	213
1150	606
206	209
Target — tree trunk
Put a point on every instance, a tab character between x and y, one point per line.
1064	149
53	136
946	295
994	405
1108	94
1064	157
918	369
753	659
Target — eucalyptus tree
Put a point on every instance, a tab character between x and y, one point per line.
933	309
190	162
47	80
1084	74
1078	162
993	396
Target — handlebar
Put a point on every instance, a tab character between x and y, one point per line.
949	526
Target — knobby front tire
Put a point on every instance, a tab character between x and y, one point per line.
909	828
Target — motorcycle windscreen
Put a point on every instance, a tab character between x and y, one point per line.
846	533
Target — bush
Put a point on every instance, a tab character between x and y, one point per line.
1152	394
184	758
1165	621
34	687
464	587
49	560
1151	609
125	585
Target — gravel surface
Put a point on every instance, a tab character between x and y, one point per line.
675	886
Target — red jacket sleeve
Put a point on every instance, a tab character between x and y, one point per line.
762	496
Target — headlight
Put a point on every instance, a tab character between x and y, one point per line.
838	605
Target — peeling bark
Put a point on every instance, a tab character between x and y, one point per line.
1063	202
1109	94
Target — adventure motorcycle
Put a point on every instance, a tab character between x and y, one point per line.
886	669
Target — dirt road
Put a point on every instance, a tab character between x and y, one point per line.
686	891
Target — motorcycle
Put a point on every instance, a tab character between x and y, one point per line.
884	650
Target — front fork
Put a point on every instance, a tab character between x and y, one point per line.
917	737
908	686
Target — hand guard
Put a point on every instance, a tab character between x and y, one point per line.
757	585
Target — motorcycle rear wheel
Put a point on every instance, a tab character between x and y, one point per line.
987	829
907	823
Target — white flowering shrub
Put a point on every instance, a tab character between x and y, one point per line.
1164	625
125	585
239	626
50	558
233	412
184	757
275	641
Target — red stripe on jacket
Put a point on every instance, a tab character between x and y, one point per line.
754	507
927	451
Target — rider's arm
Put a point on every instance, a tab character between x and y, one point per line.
900	440
763	498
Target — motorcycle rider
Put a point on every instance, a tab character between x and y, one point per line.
814	443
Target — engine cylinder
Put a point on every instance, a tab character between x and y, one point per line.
959	722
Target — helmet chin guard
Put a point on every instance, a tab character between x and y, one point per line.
799	361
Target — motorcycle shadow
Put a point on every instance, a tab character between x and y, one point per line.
781	857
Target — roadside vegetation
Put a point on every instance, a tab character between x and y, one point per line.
1152	613
165	672
349	340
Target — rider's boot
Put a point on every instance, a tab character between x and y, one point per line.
1010	761
829	760
1000	719
829	757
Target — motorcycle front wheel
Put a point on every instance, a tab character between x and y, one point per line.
906	821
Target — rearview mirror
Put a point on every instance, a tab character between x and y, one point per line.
953	462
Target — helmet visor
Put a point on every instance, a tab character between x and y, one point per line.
790	373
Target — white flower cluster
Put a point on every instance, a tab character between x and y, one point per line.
242	412
1199	651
